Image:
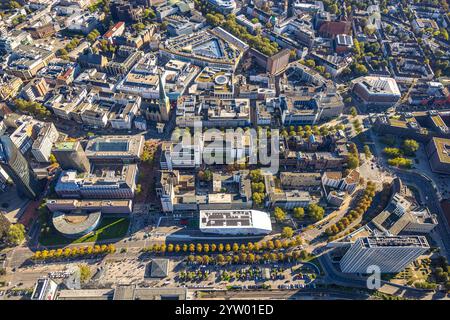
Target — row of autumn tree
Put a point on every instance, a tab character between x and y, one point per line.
213	248
74	252
361	208
249	258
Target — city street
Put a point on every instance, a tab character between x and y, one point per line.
423	183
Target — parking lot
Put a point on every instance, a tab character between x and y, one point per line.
15	294
243	277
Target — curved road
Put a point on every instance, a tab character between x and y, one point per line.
432	201
428	191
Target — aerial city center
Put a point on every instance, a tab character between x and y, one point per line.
224	149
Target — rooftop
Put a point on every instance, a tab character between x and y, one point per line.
116	146
378	85
87	204
353	177
86	294
66	145
75	224
203	45
335	175
117	176
397	241
443	149
124	292
234	219
159	268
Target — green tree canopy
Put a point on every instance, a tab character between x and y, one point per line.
392	152
34	108
400	162
315	212
360	69
352	162
256	176
367	152
299	213
85	272
258	198
279	214
310	63
149	14
258	187
410	146
16	234
287	232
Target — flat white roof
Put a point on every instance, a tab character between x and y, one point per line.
379	85
235	219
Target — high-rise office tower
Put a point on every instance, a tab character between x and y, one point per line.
18	169
71	156
390	254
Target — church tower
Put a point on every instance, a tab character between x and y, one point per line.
164	103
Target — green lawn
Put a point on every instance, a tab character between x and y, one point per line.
109	228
